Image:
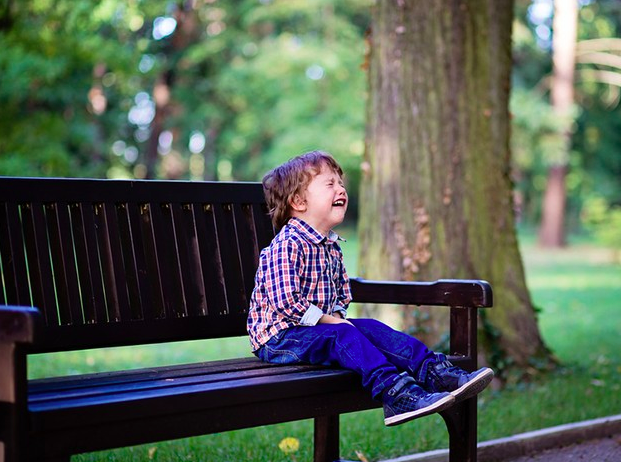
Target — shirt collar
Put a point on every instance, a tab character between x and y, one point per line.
311	234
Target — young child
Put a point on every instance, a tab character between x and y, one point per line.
298	309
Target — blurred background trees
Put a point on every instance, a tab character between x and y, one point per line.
203	89
216	89
580	145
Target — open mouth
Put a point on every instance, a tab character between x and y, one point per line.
339	203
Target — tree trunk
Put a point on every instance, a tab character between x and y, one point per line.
185	34
552	230
436	197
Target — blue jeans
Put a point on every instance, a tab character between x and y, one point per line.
371	348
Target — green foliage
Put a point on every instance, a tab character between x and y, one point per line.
258	82
537	142
308	76
537	136
605	223
49	53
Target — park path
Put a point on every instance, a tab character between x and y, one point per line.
597	440
598	450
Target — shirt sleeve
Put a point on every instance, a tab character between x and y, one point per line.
312	316
340	309
282	284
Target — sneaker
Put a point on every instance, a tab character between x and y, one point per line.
443	376
405	401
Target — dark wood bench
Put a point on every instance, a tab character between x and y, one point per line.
112	263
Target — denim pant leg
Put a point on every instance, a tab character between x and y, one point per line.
405	352
332	344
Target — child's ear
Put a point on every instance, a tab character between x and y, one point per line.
298	203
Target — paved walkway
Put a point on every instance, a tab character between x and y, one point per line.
599	450
597	440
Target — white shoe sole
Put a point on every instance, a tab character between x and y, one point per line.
475	386
438	406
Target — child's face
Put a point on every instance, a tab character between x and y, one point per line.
324	202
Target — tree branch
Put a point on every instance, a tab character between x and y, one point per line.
600	58
608	77
610	44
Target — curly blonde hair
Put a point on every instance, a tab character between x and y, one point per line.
285	181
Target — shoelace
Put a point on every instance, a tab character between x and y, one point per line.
450	368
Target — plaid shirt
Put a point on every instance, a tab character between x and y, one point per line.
300	277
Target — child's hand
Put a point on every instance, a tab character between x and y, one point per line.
330	319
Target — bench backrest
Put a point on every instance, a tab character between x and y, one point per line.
118	262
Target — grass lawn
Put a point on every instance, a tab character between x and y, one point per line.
578	291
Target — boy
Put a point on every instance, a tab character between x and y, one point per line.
298	309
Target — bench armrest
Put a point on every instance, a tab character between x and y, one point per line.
17	324
444	292
464	296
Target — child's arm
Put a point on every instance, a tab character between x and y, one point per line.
282	284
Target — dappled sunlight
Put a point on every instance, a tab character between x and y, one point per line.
577	292
574	267
597	280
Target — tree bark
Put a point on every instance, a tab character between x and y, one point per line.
565	24
436	196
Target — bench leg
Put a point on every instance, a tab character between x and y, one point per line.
13	399
461	422
326	438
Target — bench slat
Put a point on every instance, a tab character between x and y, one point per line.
33	258
83	263
68	263
119	307
95	393
248	247
210	259
149	257
59	274
189	259
39	263
112	377
108	281
127	269
168	260
231	263
102	335
13	259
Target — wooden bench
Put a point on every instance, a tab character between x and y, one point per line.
113	263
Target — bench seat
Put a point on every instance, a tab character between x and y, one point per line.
99	411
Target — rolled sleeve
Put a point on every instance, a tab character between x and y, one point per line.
312	316
340	309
